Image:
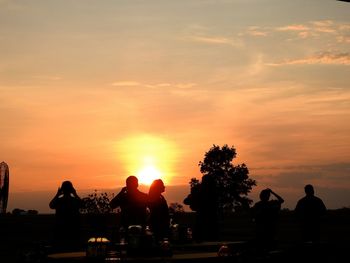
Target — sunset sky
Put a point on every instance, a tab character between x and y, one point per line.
93	91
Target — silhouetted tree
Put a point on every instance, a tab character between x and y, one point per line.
232	181
176	208
96	203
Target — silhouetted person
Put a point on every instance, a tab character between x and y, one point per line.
66	203
203	200
309	210
159	210
132	202
265	214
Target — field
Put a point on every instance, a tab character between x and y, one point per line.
22	235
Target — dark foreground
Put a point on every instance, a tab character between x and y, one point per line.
28	238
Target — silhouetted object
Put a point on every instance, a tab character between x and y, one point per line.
203	200
232	181
19	212
96	203
66	203
4	186
265	213
159	211
132	202
309	210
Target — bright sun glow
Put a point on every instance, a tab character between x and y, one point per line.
148	157
147	174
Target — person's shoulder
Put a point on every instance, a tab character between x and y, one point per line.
303	200
257	204
142	194
274	202
318	200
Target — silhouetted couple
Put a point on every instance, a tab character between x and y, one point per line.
203	200
67	204
134	204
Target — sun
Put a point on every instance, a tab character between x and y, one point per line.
148	174
149	157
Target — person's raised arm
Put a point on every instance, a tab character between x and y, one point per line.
75	195
54	200
279	198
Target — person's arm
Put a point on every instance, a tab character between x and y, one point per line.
280	199
322	208
78	200
116	201
75	195
54	200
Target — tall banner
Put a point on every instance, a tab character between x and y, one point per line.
4	186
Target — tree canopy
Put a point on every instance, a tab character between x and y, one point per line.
232	181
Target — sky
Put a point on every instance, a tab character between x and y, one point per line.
93	91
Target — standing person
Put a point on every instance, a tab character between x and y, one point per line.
66	203
203	200
132	202
265	214
159	211
309	210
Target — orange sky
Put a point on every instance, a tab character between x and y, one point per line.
93	92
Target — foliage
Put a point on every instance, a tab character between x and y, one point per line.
232	181
96	203
194	183
176	208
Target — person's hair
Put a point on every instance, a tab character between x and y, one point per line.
309	189
67	187
156	188
264	195
132	182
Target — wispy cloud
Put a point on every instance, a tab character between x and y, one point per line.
153	85
216	40
211	40
126	83
294	27
257	31
312	29
322	58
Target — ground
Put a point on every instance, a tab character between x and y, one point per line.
22	236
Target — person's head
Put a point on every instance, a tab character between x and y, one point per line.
265	195
157	187
132	183
309	190
67	187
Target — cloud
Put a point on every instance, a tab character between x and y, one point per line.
216	40
211	40
322	24
322	58
126	84
153	85
257	31
294	27
202	34
311	29
334	175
